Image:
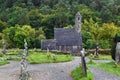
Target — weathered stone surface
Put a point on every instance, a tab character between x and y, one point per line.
4	48
117	55
67	37
50	44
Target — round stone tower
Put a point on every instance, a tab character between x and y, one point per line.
78	22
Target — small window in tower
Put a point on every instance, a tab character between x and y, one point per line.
78	18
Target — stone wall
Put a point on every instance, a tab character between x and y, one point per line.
50	44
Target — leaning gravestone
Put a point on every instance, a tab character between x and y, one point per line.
24	75
3	48
84	68
117	55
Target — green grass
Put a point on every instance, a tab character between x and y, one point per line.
13	57
100	57
108	67
3	61
1	54
36	57
77	74
39	57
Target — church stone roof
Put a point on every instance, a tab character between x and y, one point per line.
67	37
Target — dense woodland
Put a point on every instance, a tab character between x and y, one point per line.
36	19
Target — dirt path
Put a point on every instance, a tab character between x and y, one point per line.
50	71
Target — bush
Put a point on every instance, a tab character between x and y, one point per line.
104	44
89	44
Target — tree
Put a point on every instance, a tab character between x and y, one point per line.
3	25
90	32
15	16
15	36
35	18
93	28
108	31
30	34
39	35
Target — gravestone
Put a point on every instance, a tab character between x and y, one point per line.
3	48
117	55
84	68
96	50
48	53
54	57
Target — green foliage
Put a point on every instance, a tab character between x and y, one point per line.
108	31
15	36
3	25
90	44
39	35
95	33
35	18
41	57
77	74
104	44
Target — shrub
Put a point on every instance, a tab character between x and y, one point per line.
1	54
104	44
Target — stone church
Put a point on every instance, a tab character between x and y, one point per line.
67	40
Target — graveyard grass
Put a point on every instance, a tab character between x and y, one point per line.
110	67
13	55
100	57
3	62
34	57
42	57
77	74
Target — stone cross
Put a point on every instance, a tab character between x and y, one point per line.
4	48
24	62
84	68
24	74
117	54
